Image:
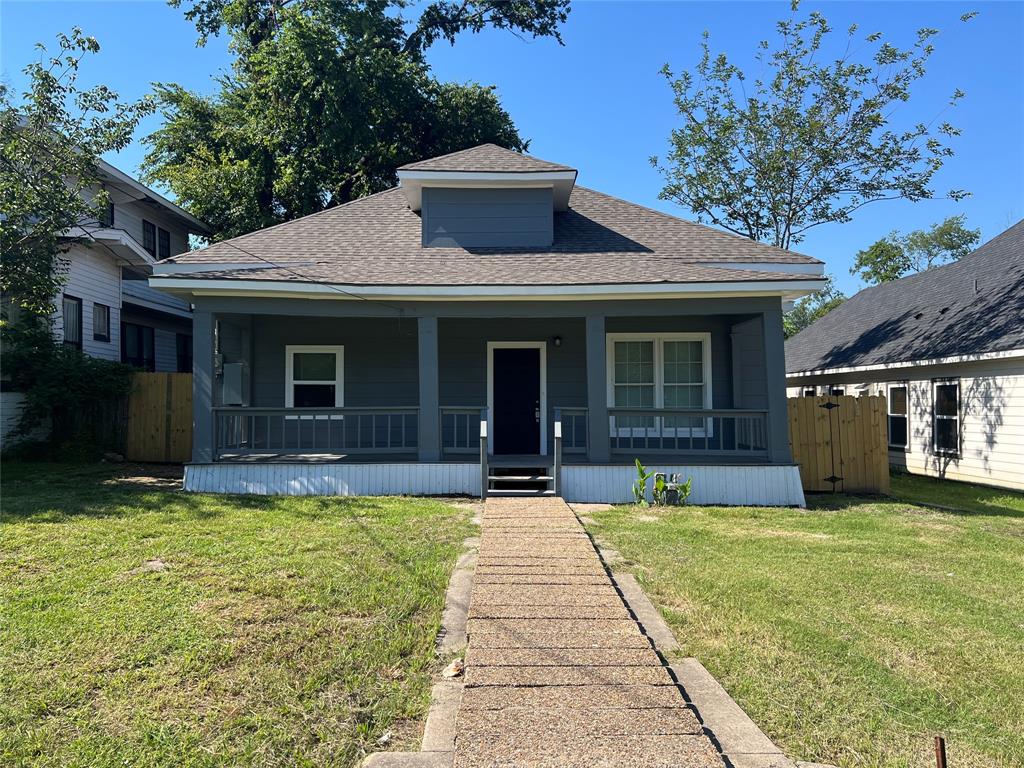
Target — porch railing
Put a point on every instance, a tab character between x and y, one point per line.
575	435
739	433
316	430
460	429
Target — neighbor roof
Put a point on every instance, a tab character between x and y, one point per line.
972	306
600	239
486	158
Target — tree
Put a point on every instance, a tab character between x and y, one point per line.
808	143
325	100
813	307
895	255
50	141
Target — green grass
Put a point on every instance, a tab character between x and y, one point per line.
855	631
282	631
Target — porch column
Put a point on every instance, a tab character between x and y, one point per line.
202	386
430	426
775	379
598	448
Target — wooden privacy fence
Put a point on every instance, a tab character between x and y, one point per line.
840	443
160	418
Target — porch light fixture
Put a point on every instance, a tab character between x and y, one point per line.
557	341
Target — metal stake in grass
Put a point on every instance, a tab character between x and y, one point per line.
940	752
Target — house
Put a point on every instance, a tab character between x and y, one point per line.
489	326
107	308
946	348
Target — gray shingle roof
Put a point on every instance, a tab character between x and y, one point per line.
973	306
486	158
599	240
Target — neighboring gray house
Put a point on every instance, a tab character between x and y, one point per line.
106	308
946	348
367	348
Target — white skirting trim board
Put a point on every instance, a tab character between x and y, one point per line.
733	485
312	479
741	485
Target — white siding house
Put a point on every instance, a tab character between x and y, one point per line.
946	348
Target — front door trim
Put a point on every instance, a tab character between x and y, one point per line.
539	345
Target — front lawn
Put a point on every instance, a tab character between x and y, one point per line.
144	626
855	631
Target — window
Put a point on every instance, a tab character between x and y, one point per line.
106	217
946	417
149	237
898	410
100	322
72	311
659	371
809	392
184	347
836	391
137	346
164	241
315	376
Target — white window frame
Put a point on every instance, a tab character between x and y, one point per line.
290	351
936	383
889	414
659	381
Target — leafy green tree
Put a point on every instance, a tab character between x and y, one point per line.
896	256
325	100
813	307
51	137
807	143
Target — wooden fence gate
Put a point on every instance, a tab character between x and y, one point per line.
840	443
160	418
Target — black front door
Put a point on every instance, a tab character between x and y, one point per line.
516	401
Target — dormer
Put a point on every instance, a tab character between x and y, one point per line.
487	197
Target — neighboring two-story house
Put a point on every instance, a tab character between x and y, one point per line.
489	326
106	307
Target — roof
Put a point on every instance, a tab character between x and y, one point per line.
139	191
600	239
970	307
486	158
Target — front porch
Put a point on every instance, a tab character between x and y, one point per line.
356	397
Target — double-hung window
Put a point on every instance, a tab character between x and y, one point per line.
149	237
138	346
100	322
163	244
946	417
652	371
314	376
898	406
72	315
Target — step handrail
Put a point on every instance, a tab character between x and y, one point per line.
484	471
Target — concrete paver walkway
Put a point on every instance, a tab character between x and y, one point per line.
558	671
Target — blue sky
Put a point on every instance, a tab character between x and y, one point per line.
599	103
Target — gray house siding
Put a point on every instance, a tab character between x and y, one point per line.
481	218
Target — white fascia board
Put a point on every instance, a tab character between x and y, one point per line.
143	191
273	288
801	268
412	183
951	359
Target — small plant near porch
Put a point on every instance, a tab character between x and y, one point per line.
666	491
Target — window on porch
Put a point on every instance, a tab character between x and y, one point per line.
315	377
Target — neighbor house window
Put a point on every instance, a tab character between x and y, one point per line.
149	237
100	322
809	392
659	371
836	391
898	410
106	218
184	348
946	417
164	243
314	376
72	312
137	347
